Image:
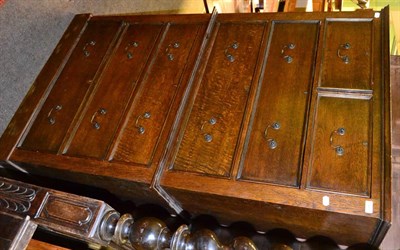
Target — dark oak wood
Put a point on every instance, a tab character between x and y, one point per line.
303	222
243	122
26	206
116	83
121	152
351	182
53	120
357	72
42	85
283	100
216	115
155	96
40	245
57	212
329	170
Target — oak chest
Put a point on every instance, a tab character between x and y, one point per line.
279	120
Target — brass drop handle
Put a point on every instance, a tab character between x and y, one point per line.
169	49
345	58
228	55
208	136
128	51
51	119
338	148
95	124
285	56
140	128
86	53
272	143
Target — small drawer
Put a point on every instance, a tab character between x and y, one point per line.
347	54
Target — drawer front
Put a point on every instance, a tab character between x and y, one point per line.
273	150
116	85
153	99
347	54
212	130
340	155
51	124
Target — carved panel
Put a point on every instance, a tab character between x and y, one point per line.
16	198
65	211
67	214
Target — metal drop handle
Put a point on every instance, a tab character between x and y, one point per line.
169	49
228	55
286	57
272	143
140	128
96	124
345	58
128	50
51	119
338	148
86	53
208	136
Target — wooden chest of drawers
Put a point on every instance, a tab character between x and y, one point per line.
279	120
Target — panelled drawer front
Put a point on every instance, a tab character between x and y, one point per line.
340	158
154	97
347	54
51	124
123	71
211	134
273	150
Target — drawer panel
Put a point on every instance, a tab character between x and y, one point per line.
154	96
52	122
347	54
212	130
274	144
340	155
116	85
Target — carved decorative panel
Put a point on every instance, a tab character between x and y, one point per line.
67	211
16	198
